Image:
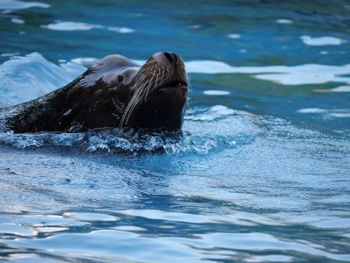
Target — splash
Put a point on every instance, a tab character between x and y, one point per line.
114	141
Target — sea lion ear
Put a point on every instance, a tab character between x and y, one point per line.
123	77
127	75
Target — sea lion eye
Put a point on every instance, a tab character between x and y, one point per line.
120	78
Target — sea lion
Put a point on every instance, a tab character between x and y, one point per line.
115	92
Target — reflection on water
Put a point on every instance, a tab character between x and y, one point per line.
260	173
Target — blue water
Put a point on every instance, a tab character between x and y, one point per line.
261	174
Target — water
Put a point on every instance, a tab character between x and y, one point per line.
261	173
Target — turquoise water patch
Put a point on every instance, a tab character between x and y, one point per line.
260	172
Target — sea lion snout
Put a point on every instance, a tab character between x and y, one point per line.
160	93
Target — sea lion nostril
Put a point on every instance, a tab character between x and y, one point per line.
168	56
175	58
172	57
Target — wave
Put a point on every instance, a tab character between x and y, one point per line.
29	77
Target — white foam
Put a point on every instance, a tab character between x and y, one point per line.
326	113
338	115
16	4
80	26
234	36
214	112
17	21
9	54
69	26
311	110
216	92
322	41
284	21
85	61
50	229
209	67
341	89
122	30
287	75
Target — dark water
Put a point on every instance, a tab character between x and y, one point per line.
261	174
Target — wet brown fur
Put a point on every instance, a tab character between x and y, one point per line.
115	92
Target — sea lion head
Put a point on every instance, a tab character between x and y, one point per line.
115	92
160	90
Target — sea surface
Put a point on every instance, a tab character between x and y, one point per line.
261	173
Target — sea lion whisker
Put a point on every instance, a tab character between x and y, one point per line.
164	74
127	113
149	87
161	76
187	77
131	105
136	98
157	78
